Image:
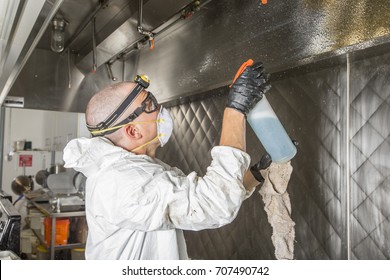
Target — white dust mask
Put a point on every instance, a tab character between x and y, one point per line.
164	126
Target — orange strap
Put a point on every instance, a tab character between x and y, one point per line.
247	63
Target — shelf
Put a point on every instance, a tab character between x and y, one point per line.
57	247
47	209
69	246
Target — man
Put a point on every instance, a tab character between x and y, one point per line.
136	205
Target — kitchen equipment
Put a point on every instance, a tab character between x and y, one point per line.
78	254
28	241
42	252
9	226
69	203
19	145
41	177
62	231
22	183
27	145
57	168
67	191
62	183
8	255
79	181
38	160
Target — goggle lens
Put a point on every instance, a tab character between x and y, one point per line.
150	103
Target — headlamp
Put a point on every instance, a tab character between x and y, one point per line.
142	80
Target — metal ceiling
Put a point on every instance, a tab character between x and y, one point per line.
115	21
198	53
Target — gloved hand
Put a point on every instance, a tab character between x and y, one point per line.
264	163
248	88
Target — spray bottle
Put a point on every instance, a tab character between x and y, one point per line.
268	128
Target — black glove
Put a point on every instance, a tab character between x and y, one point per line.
249	88
264	163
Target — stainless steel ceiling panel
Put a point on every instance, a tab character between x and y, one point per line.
45	82
108	20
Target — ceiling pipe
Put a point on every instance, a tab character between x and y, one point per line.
94	53
110	74
184	13
69	71
149	34
102	5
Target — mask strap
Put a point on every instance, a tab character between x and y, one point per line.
147	143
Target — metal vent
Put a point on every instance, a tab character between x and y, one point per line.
14	101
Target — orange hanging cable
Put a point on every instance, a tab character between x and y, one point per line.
152	44
247	63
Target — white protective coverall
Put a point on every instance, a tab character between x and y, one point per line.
137	206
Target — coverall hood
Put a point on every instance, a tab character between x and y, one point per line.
89	155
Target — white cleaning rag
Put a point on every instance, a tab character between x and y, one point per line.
278	208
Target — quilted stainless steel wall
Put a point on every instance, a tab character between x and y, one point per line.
308	106
311	105
196	130
370	158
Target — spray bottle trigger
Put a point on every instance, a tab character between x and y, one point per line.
247	63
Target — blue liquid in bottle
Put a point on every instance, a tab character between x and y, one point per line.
270	132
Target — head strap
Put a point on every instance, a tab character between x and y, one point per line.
142	82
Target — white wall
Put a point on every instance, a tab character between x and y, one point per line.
38	126
82	130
